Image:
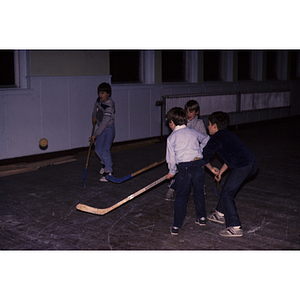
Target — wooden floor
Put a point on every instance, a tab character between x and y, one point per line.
38	209
38	212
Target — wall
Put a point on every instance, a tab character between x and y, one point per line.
58	106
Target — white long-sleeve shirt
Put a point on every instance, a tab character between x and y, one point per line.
183	146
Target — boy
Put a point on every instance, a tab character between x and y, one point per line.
104	115
242	165
192	109
184	156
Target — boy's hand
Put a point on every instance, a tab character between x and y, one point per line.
92	139
218	177
215	170
94	120
169	176
222	170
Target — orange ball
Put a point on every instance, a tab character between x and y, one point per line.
43	144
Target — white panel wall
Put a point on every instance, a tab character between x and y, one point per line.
137	116
60	108
20	123
56	108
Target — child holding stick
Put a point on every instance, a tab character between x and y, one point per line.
184	157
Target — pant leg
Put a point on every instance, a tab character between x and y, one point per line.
226	204
103	145
183	188
198	189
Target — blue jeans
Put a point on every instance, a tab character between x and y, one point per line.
234	181
190	173
103	144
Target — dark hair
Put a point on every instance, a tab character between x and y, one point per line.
104	87
177	115
220	118
192	105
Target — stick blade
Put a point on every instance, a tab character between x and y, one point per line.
117	180
83	179
91	210
103	211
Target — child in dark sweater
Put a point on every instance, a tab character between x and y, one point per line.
242	165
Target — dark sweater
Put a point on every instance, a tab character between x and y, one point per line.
231	149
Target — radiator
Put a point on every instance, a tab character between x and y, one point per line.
255	101
230	103
208	103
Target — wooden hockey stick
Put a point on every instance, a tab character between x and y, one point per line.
218	186
88	158
120	180
103	211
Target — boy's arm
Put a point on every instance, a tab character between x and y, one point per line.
203	139
210	149
94	121
214	170
222	170
94	112
170	159
202	126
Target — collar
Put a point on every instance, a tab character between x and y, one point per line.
179	127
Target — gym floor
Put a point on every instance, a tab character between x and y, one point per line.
38	208
38	212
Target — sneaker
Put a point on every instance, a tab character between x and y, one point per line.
169	195
103	178
201	221
235	231
217	217
102	171
174	230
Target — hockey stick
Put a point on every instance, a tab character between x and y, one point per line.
88	158
218	186
120	180
103	211
217	191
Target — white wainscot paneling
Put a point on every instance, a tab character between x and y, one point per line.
140	114
22	124
56	108
137	115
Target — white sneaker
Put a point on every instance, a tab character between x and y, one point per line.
101	171
201	221
170	195
103	178
217	217
234	231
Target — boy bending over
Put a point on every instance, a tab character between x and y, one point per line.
242	165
